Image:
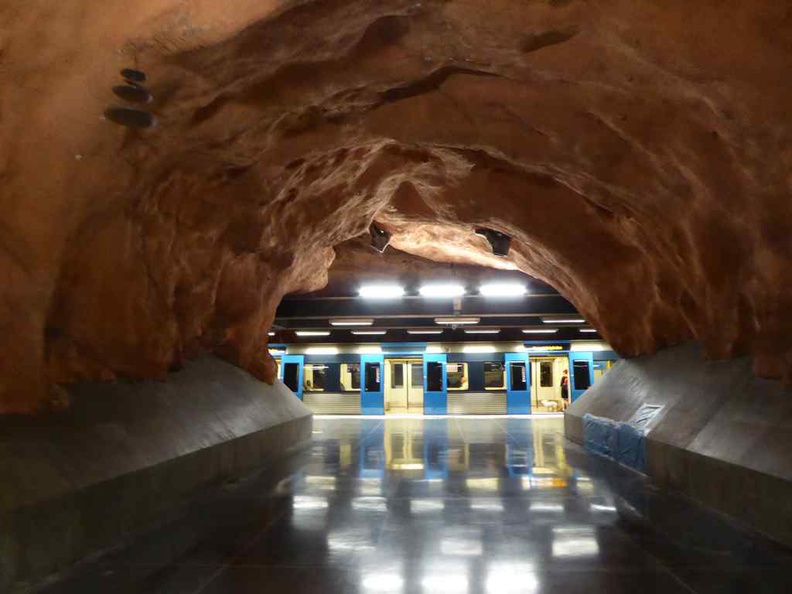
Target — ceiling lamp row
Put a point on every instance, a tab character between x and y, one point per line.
442	290
435	331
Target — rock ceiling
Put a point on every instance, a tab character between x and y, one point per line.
638	153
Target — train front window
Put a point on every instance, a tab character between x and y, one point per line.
581	373
494	376
291	375
373	377
457	376
350	377
434	376
315	377
518	377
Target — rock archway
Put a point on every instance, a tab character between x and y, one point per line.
638	154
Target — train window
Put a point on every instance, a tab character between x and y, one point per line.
518	378
291	376
373	377
457	376
580	371
397	375
434	376
494	376
546	374
350	377
314	377
416	375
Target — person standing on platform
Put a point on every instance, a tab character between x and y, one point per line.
565	389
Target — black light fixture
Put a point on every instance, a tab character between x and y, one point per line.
500	242
131	92
133	75
129	117
379	238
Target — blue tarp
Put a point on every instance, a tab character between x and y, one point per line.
620	441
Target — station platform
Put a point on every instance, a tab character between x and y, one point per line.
441	505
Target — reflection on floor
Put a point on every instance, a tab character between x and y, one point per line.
443	505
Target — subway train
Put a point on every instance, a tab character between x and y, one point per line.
441	378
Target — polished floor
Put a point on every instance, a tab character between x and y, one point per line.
498	505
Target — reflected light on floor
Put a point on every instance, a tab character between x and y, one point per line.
369	504
538	506
573	541
425	505
461	546
511	578
383	582
445	583
306	502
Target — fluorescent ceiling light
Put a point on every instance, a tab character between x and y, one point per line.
434	331
381	291
457	321
564	320
370	350
540	330
312	332
503	290
481	331
321	351
270	334
444	291
369	332
352	322
479	348
588	330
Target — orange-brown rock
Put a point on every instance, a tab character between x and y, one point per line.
638	152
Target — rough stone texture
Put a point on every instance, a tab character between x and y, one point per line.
126	453
723	436
637	151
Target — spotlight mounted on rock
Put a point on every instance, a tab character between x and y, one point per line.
500	242
132	75
379	238
131	92
129	117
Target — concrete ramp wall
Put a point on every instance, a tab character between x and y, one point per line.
722	436
127	453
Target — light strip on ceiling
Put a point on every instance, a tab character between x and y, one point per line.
442	291
499	290
312	332
540	330
477	331
457	321
369	332
322	351
381	291
270	334
563	320
424	331
588	330
352	322
479	348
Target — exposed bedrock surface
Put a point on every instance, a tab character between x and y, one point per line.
638	152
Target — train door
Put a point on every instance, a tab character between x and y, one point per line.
372	397
293	373
396	388
546	378
404	386
435	384
518	387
